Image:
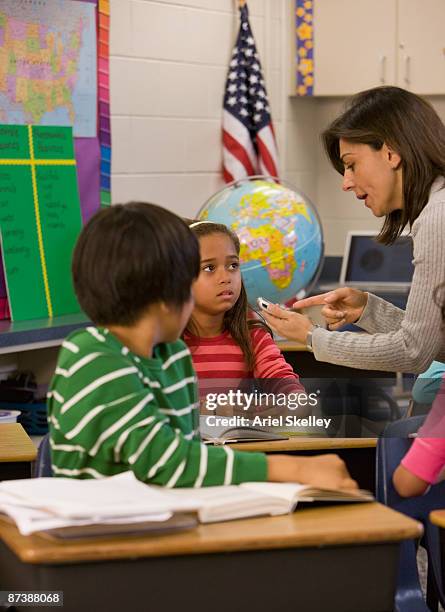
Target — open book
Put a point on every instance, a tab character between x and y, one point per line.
241	434
259	498
123	504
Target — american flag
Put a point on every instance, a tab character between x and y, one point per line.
249	145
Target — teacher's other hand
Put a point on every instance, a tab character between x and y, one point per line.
341	306
288	324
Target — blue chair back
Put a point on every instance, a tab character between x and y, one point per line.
42	465
391	448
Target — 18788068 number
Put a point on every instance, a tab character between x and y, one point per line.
32	598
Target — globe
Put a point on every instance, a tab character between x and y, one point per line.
280	234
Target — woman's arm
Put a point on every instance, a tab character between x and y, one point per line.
347	305
419	337
380	316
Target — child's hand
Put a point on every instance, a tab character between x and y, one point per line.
290	325
322	471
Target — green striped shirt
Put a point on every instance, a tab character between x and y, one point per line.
110	410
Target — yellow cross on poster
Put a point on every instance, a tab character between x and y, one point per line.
40	219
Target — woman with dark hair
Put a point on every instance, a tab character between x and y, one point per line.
389	145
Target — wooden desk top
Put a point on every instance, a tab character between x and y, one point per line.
302	443
437	517
290	345
15	444
329	526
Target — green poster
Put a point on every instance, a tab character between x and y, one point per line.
40	219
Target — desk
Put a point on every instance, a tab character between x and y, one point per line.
437	517
359	401
17	452
16	336
357	453
337	558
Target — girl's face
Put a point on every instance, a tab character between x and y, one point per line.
374	176
218	285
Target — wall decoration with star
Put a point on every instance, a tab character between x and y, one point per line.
305	47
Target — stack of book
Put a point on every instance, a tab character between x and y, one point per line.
65	507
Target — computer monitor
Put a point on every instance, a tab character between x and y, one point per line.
368	264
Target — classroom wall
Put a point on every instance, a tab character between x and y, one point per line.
168	67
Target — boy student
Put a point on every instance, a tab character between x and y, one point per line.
124	394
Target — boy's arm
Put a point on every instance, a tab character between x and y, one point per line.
116	420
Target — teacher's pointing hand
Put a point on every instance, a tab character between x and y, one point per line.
341	306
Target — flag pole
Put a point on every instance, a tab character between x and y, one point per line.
249	145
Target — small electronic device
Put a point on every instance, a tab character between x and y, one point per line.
313	312
263	303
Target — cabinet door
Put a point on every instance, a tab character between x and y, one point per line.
421	54
354	45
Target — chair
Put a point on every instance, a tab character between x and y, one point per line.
391	447
358	405
42	466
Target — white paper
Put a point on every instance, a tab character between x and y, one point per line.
120	495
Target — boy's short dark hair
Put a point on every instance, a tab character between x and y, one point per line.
130	256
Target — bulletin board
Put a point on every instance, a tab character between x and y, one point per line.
92	143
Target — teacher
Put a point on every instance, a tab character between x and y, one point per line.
389	145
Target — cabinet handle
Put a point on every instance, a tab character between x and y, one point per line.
407	69
383	69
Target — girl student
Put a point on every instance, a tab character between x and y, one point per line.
424	463
228	347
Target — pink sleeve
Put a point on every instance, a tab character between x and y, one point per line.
270	363
426	458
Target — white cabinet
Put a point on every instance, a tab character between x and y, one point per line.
358	44
421	46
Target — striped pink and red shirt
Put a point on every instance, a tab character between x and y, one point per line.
220	357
